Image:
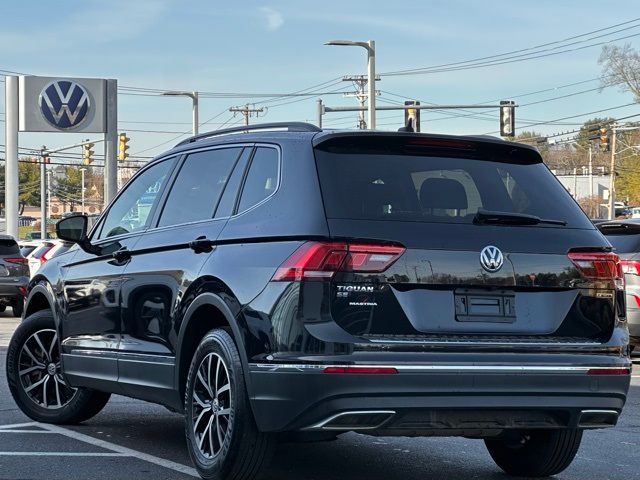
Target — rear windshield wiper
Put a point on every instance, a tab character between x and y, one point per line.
487	217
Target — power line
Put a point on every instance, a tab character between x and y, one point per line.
511	54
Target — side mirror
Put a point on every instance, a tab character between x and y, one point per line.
73	229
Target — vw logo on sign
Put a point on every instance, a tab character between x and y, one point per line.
491	258
64	104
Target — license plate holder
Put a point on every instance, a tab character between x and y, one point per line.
492	307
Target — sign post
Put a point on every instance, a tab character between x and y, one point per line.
11	156
63	105
111	142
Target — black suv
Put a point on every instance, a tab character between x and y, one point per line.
285	281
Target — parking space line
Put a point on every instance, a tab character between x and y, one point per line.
63	454
178	467
18	425
3	430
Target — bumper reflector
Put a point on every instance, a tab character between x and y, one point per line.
609	371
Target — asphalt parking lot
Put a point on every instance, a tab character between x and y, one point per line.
133	439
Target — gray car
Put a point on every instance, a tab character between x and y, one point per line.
14	275
624	235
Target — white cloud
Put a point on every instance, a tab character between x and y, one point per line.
273	17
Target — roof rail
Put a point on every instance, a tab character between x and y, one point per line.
289	126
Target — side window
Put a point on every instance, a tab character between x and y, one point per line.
262	178
131	211
228	199
198	186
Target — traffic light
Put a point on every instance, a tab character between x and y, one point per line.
507	118
604	139
412	117
87	153
122	146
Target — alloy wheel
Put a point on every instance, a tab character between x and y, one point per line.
211	405
40	373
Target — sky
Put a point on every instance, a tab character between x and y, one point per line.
276	47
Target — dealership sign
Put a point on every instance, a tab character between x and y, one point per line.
62	104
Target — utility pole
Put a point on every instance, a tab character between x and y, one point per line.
612	173
247	112
43	194
48	193
360	83
82	170
590	172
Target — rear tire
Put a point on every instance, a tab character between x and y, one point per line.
222	437
18	306
36	380
535	453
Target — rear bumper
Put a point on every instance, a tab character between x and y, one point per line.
472	399
10	287
633	320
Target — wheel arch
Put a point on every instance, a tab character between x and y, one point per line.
41	297
207	311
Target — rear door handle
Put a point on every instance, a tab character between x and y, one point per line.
201	245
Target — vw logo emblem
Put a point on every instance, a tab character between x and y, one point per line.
64	104
491	258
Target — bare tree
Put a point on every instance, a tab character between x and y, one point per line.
621	66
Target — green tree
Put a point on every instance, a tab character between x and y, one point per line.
28	183
68	188
589	129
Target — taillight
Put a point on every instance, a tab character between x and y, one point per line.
321	260
598	265
630	267
17	260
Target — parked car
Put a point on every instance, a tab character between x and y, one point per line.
635	212
37	257
35	235
281	279
14	276
624	235
26	247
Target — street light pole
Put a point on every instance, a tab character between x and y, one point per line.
194	106
371	72
370	47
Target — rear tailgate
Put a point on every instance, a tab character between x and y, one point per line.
425	197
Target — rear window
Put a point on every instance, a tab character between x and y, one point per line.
41	250
9	247
405	187
625	243
24	251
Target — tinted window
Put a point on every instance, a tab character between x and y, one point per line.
24	251
262	178
198	186
625	243
228	200
41	250
436	189
131	211
9	247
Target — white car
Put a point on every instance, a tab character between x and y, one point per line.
635	212
39	256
